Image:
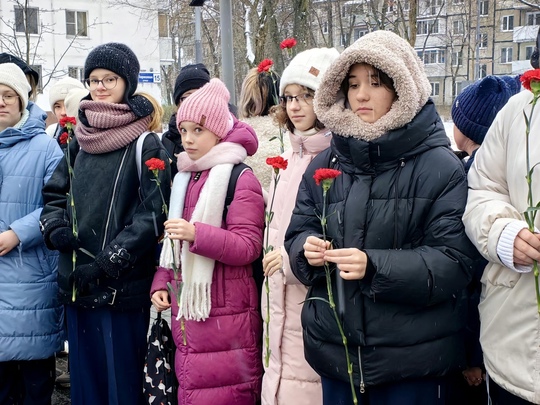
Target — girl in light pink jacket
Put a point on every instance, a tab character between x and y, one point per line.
288	377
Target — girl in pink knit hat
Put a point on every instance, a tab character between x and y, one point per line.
216	326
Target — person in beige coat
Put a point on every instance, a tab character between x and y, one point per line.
288	373
497	199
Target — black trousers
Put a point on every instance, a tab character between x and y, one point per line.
27	382
499	396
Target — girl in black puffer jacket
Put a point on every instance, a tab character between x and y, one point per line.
399	247
119	216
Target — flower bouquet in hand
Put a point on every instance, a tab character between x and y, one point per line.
156	165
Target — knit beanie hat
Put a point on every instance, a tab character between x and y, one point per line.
475	108
61	88
307	68
190	77
72	101
120	59
7	58
209	108
12	76
513	82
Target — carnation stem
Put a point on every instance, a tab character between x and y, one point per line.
333	304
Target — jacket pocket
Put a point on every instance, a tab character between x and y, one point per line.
498	275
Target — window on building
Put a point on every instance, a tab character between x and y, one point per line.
508	23
533	18
458	1
358	33
427	27
482	71
345	39
483	7
528	52
76	23
163	25
432	56
457	27
405	5
390	8
435	88
506	55
434	6
457	58
76	72
483	40
26	19
325	27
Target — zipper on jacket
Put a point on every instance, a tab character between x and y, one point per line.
112	198
362	385
401	166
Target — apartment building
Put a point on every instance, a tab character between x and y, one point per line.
57	35
460	41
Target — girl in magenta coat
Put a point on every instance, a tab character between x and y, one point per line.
216	326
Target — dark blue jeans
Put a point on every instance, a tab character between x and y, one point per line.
424	391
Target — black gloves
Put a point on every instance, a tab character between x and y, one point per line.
110	262
62	239
58	235
84	275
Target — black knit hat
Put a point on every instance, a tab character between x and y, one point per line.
190	77
7	58
120	59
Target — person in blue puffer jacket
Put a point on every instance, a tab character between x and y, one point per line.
31	316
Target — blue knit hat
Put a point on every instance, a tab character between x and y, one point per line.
475	108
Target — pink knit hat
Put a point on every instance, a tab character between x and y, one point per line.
209	108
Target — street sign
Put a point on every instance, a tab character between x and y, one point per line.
149	77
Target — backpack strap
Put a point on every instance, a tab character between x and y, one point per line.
138	151
236	172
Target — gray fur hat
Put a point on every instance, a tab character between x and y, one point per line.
390	54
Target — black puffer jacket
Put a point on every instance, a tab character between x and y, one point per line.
116	213
400	199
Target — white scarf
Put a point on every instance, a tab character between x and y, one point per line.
197	271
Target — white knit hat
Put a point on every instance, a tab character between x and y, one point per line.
61	88
307	68
12	76
72	101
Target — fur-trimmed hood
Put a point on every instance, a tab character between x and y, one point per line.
394	56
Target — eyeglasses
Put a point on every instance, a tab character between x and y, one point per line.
108	82
302	99
9	99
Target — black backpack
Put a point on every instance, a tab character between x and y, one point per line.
257	265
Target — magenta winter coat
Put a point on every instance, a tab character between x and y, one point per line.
221	360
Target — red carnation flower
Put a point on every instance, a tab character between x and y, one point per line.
531	80
265	65
277	163
155	164
67	120
288	43
322	175
63	138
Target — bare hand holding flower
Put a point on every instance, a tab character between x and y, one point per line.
351	262
180	229
315	249
526	248
272	262
160	299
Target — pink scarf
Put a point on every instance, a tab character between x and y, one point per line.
110	126
223	152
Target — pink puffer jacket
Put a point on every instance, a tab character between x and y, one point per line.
220	363
288	373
